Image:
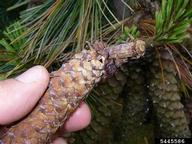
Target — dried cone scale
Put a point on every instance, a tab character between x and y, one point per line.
67	88
166	98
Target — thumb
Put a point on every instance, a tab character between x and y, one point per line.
18	96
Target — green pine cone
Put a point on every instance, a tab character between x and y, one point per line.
132	128
166	98
106	112
188	111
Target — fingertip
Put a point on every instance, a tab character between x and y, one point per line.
80	119
59	141
35	74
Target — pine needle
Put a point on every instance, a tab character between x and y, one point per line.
57	27
172	21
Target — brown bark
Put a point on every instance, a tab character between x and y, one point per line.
67	88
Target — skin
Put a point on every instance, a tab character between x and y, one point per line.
18	96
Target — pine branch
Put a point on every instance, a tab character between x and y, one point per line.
170	28
172	21
128	33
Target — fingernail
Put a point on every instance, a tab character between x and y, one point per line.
33	74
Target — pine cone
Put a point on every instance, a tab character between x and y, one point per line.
67	88
132	128
106	114
188	111
169	110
